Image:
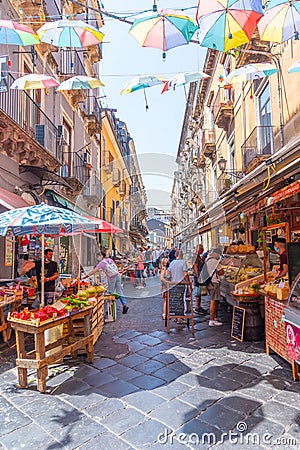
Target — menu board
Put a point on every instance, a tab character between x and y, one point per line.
177	300
238	321
293	252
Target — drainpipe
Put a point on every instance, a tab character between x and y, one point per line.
277	63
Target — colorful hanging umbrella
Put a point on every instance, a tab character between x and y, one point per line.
69	33
34	81
183	78
225	24
142	82
281	21
165	30
13	33
80	82
294	67
251	72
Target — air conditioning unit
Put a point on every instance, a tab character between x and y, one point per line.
40	134
116	177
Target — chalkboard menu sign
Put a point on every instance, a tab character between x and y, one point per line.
293	253
238	320
177	300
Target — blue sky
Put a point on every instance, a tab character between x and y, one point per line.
156	131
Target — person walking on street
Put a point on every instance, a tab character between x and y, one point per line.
165	276
140	269
178	268
148	259
156	257
199	259
108	266
172	254
213	270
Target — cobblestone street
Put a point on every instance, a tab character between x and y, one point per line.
148	389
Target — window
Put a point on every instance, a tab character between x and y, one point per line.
265	121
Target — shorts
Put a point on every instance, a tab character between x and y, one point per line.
214	291
156	264
139	273
197	291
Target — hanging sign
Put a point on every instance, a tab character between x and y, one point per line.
9	251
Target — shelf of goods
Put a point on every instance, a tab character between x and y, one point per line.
238	270
44	353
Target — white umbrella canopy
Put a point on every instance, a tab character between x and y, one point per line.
43	219
80	82
34	81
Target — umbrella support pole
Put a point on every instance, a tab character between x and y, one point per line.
43	272
146	102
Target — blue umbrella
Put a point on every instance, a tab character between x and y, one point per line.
43	219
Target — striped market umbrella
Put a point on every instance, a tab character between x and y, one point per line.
183	78
14	33
34	81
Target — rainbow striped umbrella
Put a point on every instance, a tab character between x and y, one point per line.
69	33
225	24
80	82
164	31
13	33
34	81
281	21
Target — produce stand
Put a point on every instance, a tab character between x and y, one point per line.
69	344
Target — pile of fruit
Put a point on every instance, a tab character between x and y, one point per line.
42	313
74	302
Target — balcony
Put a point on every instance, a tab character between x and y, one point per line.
257	147
224	183
255	51
93	192
92	118
209	144
75	172
223	108
26	133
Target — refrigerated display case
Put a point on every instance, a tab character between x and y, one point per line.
238	269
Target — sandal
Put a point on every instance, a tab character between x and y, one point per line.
163	317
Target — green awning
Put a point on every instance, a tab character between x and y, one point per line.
66	204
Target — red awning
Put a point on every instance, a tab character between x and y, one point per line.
10	200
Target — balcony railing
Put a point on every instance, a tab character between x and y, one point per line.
223	107
23	110
76	170
257	146
209	142
223	183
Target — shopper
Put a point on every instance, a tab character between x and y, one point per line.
165	276
147	259
140	269
172	254
108	266
199	259
178	268
156	257
213	270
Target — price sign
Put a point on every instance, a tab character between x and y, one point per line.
238	321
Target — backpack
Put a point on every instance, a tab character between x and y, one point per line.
204	278
111	269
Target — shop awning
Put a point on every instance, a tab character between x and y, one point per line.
10	200
66	203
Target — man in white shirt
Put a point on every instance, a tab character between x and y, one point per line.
178	268
156	254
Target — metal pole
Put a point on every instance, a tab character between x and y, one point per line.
277	62
43	272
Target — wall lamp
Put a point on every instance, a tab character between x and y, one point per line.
234	173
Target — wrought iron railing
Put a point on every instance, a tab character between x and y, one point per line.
260	142
23	110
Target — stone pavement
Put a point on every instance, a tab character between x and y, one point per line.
148	389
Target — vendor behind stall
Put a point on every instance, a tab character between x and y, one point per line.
280	247
50	274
